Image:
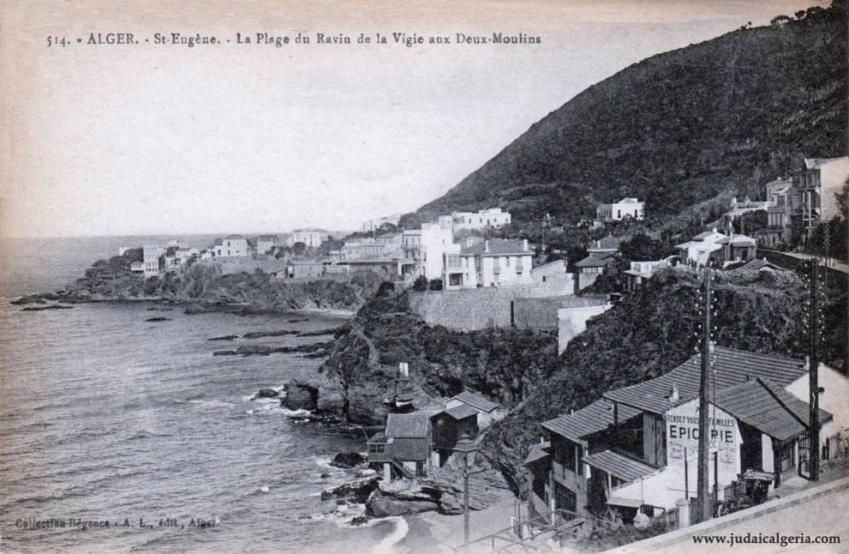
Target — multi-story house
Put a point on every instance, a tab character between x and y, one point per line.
491	263
629	450
231	246
152	255
424	250
819	182
404	447
310	237
265	243
627	208
482	219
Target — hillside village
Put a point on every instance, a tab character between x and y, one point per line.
507	342
627	458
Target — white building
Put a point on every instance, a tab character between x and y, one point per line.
152	257
264	243
492	263
312	238
820	181
424	250
627	208
490	217
231	246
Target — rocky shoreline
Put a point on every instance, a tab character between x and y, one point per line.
203	288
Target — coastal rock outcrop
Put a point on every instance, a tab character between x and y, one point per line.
267	393
202	288
400	498
348	459
359	490
300	396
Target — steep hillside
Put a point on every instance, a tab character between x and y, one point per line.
678	128
645	335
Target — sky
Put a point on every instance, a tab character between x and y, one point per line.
156	139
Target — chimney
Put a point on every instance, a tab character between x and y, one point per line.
525	244
486	245
673	394
404	369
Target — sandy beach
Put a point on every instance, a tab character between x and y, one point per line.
434	533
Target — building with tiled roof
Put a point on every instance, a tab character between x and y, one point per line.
627	450
489	263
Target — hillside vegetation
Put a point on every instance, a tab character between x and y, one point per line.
678	128
645	335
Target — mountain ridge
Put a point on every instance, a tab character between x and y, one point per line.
677	128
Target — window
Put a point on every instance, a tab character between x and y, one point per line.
507	261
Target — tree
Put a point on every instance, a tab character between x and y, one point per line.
299	248
642	248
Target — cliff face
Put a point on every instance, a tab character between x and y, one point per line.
362	370
677	128
203	287
645	335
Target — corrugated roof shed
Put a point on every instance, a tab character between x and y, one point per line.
476	401
596	417
731	367
412	425
461	412
619	465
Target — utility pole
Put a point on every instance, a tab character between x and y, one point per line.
703	478
466	501
813	377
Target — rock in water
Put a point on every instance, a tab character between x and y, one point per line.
347	459
382	504
300	396
157	319
358	490
267	393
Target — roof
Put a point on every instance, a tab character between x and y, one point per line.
267	237
607	243
706	234
218	242
738	240
595	260
766	407
815	163
757	264
412	425
619	465
476	401
539	451
377	438
235	237
496	247
459	412
628	200
596	417
731	367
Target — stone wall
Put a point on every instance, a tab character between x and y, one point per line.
467	309
513	306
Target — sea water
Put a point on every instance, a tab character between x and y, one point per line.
106	417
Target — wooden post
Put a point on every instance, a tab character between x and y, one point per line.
686	476
466	501
813	375
704	466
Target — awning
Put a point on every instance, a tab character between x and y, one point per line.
624	502
619	465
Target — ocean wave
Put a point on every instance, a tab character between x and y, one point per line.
398	534
142	434
211	403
